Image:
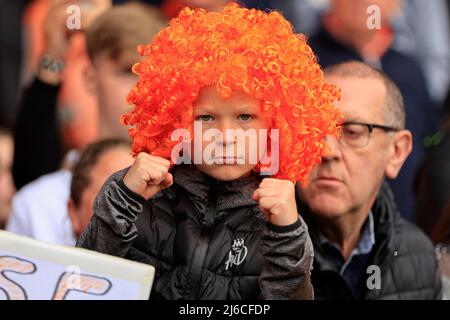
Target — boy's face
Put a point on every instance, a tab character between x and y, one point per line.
112	80
235	150
111	161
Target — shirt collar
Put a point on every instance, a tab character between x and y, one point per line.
366	241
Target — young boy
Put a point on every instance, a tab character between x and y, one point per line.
213	227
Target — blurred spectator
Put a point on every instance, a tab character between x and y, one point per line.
422	30
433	181
76	107
96	164
345	36
352	217
112	40
39	209
10	58
209	5
305	15
441	237
7	188
443	256
172	7
441	230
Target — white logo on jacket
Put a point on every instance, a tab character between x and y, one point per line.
237	254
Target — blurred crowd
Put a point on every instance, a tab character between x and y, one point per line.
62	92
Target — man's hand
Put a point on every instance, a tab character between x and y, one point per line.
57	38
148	175
276	200
57	35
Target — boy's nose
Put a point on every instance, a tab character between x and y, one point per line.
227	126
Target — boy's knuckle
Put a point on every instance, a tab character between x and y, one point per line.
140	156
161	175
166	162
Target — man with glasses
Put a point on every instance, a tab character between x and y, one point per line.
364	249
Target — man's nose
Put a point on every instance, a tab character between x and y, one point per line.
332	149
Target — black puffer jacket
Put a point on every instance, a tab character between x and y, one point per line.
207	239
405	256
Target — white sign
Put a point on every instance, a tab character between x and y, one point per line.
32	270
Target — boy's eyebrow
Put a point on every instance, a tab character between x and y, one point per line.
211	109
248	109
204	109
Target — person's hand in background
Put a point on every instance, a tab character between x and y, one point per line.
58	31
57	41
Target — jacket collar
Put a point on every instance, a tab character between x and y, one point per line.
387	217
230	194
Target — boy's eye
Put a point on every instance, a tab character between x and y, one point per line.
245	117
205	118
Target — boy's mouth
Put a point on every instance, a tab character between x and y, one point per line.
228	160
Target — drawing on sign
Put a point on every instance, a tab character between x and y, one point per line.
12	290
82	283
34	270
68	281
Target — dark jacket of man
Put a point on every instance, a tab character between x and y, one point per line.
206	238
404	255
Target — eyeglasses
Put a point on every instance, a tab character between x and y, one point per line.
356	135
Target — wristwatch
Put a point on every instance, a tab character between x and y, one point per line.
51	64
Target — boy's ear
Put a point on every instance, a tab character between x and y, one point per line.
90	79
401	147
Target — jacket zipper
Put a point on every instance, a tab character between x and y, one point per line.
199	256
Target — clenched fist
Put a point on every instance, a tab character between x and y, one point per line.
276	199
148	175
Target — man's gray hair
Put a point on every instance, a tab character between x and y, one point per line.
394	108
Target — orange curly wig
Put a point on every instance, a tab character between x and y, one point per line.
239	49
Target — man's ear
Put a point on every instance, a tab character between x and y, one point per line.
90	79
75	222
401	146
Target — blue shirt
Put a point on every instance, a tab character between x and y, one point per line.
353	270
